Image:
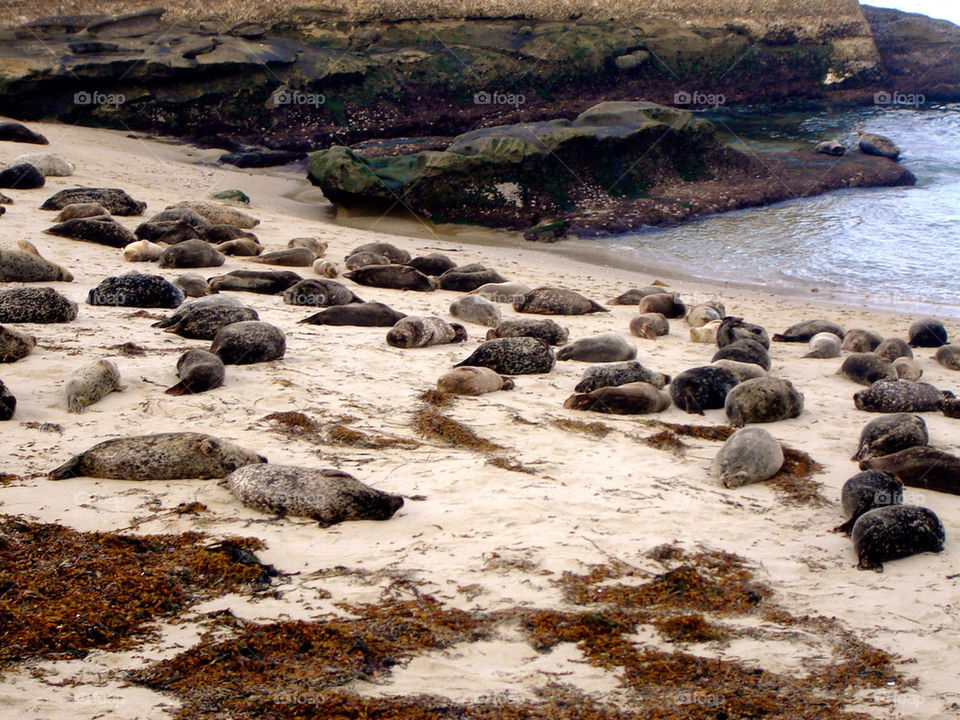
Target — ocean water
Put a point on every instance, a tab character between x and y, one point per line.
886	247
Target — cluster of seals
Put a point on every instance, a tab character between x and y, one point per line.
762	400
894	532
505	292
191	254
202	319
899	396
476	309
394	277
8	403
804	331
545	329
613	374
467	278
864	492
748	456
650	326
927	332
248	342
636	398
556	301
607	347
368	314
136	290
15	345
263	282
433	264
91	383
920	466
702	388
890	434
513	356
198	371
164	456
473	381
667	304
26	265
858	340
114	200
413	331
867	368
102	230
319	292
327	496
824	345
35	305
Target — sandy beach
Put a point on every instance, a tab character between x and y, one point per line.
473	534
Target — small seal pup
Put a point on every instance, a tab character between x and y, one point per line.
545	329
476	309
743	371
103	230
193	285
702	388
289	257
91	383
164	456
824	345
607	347
948	356
761	400
513	356
264	282
830	147
394	277
804	331
704	313
636	398
473	381
556	301
35	305
872	144
899	396
326	268
621	373
434	264
893	348
466	278
748	456
893	532
142	251
198	371
920	466
744	350
202	319
907	369
80	210
319	292
650	326
15	345
8	403
327	496
191	254
368	314
667	304
248	342
26	265
505	292
413	331
735	328
136	290
928	332
858	340
864	492
395	255
889	434
866	368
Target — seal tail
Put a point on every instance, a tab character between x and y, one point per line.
69	469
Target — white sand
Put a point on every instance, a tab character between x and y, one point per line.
587	500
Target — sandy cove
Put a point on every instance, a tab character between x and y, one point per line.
483	537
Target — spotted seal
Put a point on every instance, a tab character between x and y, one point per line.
907	369
899	396
26	265
607	347
621	373
136	290
314	244
700	315
363	259
395	277
873	144
804	331
864	492
920	466
473	381
513	356
636	398
326	268
948	356
743	370
369	314
927	332
395	255
80	210
544	329
218	213
319	292
866	368
830	147
556	301
889	434
894	532
240	247
762	400
91	383
15	345
505	292
476	309
635	295
35	305
171	232
193	285
116	201
102	230
414	331
198	371
202	319
702	388
248	342
750	455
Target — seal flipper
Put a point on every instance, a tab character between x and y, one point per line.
597	307
69	469
846	528
178	389
690	403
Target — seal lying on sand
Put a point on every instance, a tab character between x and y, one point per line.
289	257
327	496
198	371
505	292
743	371
103	230
473	381
396	256
858	340
894	532
368	314
866	368
8	403
513	356
26	265
735	328
142	251
893	348
899	396
637	398
136	290
411	332
704	313
889	434
544	329
467	278
948	356
395	277
35	305
203	318
434	264
649	326
702	388
319	292
761	400
116	201
264	282
907	369
921	467
165	456
804	331
635	295
667	304
824	345
743	350
608	347
621	373
15	345
91	383
866	491
80	210
191	254
748	456
928	332
556	301
248	342
476	309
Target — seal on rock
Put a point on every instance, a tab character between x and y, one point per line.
859	340
116	201
142	251
433	264
164	456
948	356
477	310
702	388
804	331
544	329
136	290
649	326
762	400
466	278
614	374
894	532
80	210
873	144
748	456
889	434
103	230
327	496
319	292
505	292
15	345
202	319
513	356
26	265
899	396
473	381
248	342
830	147
893	348
193	285
556	301
607	347
368	314
920	466
744	350
91	383
413	331
824	345
191	254
8	403
907	369
928	332
396	277
864	492
35	305
198	371
636	398
289	257
866	368
667	304
735	328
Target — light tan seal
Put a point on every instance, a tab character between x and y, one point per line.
473	381
26	265
15	345
91	383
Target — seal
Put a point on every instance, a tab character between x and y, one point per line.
466	278
218	213
702	388
319	292
866	368
706	334
368	314
920	466
80	210
667	304
750	455
191	254
326	268
477	310
263	282
858	340
363	259
763	400
174	217
556	301
48	165
734	328
202	319
219	234
505	292
136	290
289	257
824	345
164	456
804	331
893	348
193	285
433	264
35	305
8	403
544	329
614	374
607	347
866	491
240	247
171	232
743	350
830	147
894	532
907	369
889	434
413	331
22	176
18	132
314	244
116	201
396	277
743	371
636	398
473	381
26	265
704	313
513	356
899	396
872	144
650	325
102	230
948	356
198	371
327	496
91	383
248	342
142	251
15	345
392	253
928	332
635	295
